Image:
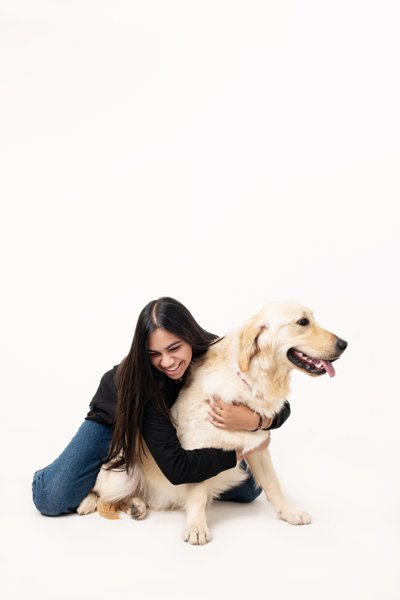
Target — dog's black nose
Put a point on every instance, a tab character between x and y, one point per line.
341	345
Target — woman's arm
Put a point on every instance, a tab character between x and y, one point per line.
179	465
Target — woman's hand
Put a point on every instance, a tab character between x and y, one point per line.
232	416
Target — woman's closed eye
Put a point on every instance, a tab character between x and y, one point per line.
155	353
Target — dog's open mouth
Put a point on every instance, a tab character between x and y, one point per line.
314	366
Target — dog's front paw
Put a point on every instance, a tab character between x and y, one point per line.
197	534
295	516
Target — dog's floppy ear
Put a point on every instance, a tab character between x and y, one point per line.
248	341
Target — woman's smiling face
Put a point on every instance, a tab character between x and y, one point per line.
168	353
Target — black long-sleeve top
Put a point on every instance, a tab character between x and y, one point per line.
178	465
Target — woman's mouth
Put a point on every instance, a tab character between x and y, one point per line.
173	370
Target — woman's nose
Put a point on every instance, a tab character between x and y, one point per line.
166	361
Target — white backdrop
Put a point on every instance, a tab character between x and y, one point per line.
225	153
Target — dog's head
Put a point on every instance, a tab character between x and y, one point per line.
286	333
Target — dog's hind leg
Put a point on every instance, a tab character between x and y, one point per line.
137	509
261	466
196	531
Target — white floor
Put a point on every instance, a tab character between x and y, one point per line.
226	153
349	552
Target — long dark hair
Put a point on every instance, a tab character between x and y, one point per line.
138	382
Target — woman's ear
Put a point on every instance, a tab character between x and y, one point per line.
248	346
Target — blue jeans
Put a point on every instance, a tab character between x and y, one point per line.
245	492
60	487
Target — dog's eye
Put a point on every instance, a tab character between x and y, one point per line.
303	322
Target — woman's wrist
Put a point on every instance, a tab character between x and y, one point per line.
263	422
267	422
259	420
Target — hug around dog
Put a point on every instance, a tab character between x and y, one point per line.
253	363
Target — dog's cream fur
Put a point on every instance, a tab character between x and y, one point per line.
250	363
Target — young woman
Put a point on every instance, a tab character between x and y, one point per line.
131	406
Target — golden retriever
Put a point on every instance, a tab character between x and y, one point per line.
252	363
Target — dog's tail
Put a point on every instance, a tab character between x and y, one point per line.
108	509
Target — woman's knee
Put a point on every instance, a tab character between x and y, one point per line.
61	486
51	499
245	492
250	494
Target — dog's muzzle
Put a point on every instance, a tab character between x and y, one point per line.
316	366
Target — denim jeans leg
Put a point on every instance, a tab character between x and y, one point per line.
245	492
60	487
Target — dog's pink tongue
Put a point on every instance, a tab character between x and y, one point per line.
328	368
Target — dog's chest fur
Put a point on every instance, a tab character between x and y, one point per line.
219	376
